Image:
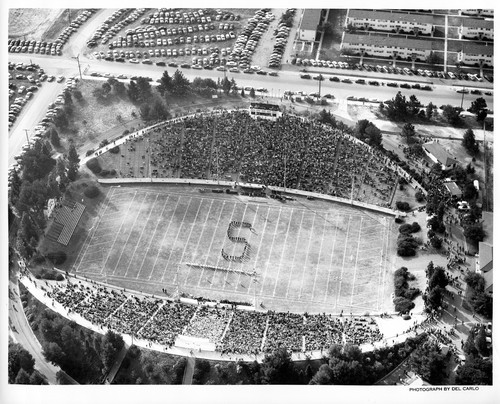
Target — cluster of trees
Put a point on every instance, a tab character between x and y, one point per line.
347	365
401	109
64	115
327	118
406	243
404	294
479	108
474	232
436	284
109	91
21	366
84	355
480	301
368	133
452	114
430	363
403	206
477	368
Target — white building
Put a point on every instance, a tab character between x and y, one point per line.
387	46
390	21
473	53
438	154
309	25
476	28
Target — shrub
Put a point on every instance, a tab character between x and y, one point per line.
403	305
404	206
436	242
89	152
94	166
57	258
405	229
419	196
104	143
91	192
411	293
59	277
415	227
115	150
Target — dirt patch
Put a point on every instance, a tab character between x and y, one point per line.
32	23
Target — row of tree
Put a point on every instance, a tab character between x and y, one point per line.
436	284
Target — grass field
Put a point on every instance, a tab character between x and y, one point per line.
308	255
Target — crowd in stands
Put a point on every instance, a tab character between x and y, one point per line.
309	155
167	323
209	323
233	331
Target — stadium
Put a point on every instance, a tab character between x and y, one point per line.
286	219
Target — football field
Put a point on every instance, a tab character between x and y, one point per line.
301	255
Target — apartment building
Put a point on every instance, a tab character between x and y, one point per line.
309	24
379	20
475	28
472	53
387	46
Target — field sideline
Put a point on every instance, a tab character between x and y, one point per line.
312	256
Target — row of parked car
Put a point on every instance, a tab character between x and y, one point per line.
101	33
390	69
176	17
282	34
27	46
126	42
247	41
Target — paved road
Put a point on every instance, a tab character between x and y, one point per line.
189	371
23	334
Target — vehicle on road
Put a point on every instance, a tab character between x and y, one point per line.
60	79
334	78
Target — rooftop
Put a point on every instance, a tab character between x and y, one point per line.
382	15
470	47
439	153
485	256
477	23
310	19
263	105
453	188
390	41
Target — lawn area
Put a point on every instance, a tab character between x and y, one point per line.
330	49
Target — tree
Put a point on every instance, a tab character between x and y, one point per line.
252	93
243	92
438	278
73	154
54	137
324	375
53	353
430	363
408	133
436	242
429	110
111	345
15	187
469	142
33	197
180	84
475	281
278	368
133	92
368	133
474	232
397	109
419	196
432	59
22	377
452	114
37	379
226	85
19	359
413	105
78	95
165	83
475	371
477	107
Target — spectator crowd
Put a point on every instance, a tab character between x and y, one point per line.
305	154
232	330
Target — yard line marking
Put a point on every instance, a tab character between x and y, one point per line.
343	260
379	281
175	241
227	272
211	242
187	241
116	236
153	237
140	237
282	251
254	284
238	282
356	262
220	254
163	238
387	237
102	210
128	238
331	258
294	254
201	236
319	255
307	255
270	252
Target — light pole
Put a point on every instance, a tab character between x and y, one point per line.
77	57
27	137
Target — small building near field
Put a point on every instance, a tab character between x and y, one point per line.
438	154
